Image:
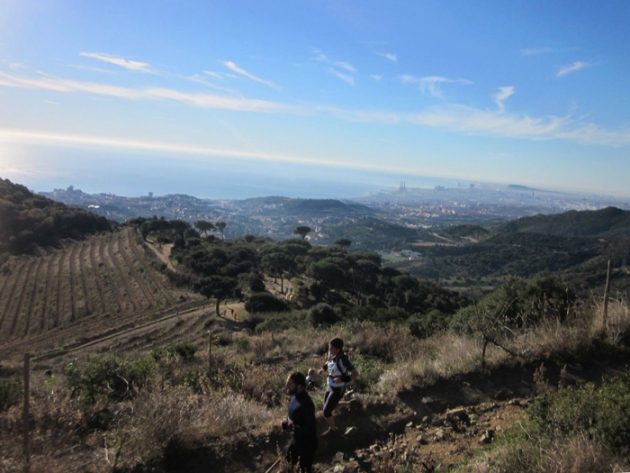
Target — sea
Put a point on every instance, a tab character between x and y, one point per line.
134	175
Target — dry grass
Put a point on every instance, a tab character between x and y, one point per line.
577	455
156	418
618	322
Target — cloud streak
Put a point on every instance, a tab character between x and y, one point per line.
503	94
31	136
390	56
136	66
449	117
233	67
334	65
150	93
576	66
431	84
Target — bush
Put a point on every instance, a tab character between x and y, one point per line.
9	394
279	322
115	377
184	350
322	314
265	302
600	413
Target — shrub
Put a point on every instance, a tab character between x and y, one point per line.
322	314
279	322
265	302
601	413
115	377
9	394
184	350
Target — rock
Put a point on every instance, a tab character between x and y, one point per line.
428	400
487	437
437	423
503	394
440	434
339	469
375	448
426	419
410	425
421	440
474	418
339	457
351	432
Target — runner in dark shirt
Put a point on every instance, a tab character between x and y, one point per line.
301	422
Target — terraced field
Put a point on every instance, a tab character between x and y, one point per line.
88	290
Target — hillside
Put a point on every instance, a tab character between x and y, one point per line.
610	222
75	294
30	221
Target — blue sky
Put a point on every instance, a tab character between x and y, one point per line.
531	93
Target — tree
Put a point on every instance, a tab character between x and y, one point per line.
277	264
302	230
220	226
217	286
204	226
343	242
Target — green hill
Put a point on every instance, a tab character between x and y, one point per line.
30	221
610	222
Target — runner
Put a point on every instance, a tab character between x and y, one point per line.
340	371
301	423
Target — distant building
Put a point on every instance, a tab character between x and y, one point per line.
150	195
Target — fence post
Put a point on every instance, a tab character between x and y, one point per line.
605	314
25	413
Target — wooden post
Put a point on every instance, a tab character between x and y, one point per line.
605	314
25	413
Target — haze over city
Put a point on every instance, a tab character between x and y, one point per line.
340	98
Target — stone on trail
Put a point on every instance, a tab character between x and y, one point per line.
351	432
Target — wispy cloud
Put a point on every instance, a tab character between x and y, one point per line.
501	95
390	56
200	80
376	77
91	69
576	66
346	66
119	61
151	93
233	67
16	66
30	136
216	75
450	117
344	77
333	65
431	84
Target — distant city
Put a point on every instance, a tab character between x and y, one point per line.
410	207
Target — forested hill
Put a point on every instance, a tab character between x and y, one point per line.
610	222
306	208
29	221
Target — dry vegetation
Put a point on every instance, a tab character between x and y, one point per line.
228	393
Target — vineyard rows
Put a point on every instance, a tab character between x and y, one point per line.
95	285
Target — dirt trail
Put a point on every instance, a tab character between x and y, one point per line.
163	253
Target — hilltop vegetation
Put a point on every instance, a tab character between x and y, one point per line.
30	221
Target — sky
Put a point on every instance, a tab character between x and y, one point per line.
228	97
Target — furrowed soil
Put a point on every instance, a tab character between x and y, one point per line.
84	292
